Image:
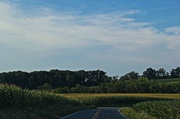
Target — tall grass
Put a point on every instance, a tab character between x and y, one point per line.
12	96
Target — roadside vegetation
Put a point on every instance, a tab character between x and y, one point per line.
130	113
160	109
54	111
153	110
17	103
13	96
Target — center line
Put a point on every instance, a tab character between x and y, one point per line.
96	114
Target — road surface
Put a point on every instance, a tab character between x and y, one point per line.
99	113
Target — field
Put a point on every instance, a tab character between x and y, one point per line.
33	104
169	80
160	109
44	105
155	95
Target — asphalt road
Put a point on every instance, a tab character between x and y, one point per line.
99	113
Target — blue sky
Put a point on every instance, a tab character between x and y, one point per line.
117	36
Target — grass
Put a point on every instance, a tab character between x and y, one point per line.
132	114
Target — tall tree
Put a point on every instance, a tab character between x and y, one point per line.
175	73
130	75
161	73
150	73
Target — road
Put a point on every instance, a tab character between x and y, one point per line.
99	113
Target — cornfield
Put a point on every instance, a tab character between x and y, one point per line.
158	105
12	96
118	99
160	109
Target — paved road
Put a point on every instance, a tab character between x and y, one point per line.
99	113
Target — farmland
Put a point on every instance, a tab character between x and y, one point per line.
158	95
160	109
118	99
44	105
33	104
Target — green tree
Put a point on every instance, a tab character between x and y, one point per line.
161	73
175	73
150	73
130	75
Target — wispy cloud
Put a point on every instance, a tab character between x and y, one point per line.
46	33
175	30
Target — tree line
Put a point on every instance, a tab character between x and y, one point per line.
142	85
151	73
71	79
54	78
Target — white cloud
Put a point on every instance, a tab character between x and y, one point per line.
47	33
62	30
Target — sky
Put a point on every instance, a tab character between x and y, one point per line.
116	36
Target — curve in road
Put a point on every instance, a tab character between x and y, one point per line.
99	113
